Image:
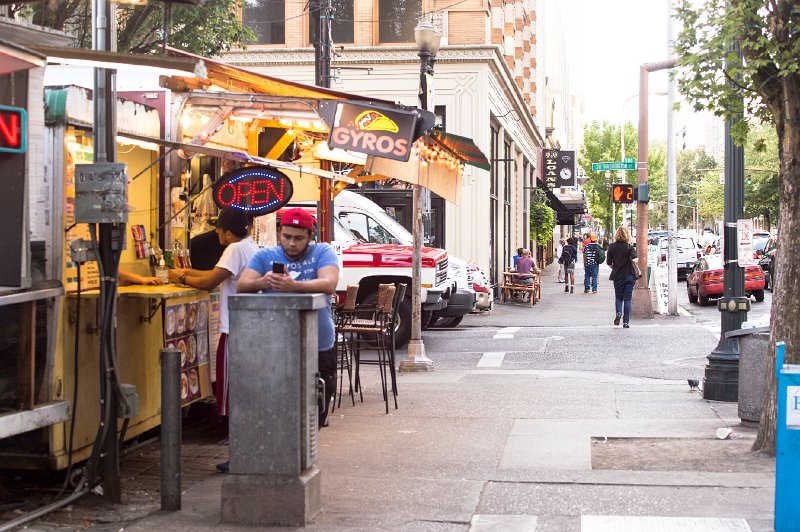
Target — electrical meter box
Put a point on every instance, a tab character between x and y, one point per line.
101	193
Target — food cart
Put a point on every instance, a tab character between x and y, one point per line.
148	317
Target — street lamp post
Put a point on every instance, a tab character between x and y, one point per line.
428	41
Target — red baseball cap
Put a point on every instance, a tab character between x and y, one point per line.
297	217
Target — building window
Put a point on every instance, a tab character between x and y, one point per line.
342	24
265	18
397	19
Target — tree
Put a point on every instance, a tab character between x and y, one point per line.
766	87
697	189
761	191
601	143
542	217
205	31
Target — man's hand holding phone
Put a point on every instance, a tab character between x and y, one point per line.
278	279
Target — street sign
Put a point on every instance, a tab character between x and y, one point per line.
627	164
744	242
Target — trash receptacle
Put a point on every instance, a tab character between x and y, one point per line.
787	448
753	357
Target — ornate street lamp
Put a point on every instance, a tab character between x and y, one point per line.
428	41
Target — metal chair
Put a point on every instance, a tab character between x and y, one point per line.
371	323
344	356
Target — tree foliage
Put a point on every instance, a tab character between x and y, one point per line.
765	86
542	217
207	30
601	142
761	191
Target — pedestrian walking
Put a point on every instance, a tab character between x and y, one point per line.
559	250
591	264
619	257
568	258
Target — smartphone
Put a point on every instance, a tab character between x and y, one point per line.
278	267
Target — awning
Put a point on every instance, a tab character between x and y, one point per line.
240	157
159	64
464	148
14	58
235	79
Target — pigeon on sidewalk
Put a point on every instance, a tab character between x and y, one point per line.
694	384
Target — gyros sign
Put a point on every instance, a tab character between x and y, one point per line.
373	130
256	190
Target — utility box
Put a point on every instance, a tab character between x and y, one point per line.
272	362
787	449
101	193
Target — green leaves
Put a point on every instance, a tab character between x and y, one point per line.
542	217
206	31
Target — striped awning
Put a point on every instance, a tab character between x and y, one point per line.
463	148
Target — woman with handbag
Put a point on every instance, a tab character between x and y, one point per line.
621	256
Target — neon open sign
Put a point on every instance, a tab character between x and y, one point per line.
257	190
13	129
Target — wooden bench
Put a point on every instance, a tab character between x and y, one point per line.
511	285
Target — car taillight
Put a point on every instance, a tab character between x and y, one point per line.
663	258
753	273
712	277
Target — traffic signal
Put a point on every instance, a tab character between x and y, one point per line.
622	193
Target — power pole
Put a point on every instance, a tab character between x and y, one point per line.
106	456
322	76
672	185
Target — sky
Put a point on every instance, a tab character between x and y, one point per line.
607	42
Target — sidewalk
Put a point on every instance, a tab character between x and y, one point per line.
531	442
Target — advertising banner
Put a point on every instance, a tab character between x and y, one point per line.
374	130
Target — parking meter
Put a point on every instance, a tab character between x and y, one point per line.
787	450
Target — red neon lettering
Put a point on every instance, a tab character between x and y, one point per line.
369	141
221	196
242	191
277	194
11	134
260	192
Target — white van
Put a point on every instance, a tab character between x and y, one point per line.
687	248
369	222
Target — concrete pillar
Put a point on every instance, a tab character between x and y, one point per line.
272	362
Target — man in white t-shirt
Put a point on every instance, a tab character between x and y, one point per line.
233	231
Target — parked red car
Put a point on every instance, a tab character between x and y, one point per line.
707	277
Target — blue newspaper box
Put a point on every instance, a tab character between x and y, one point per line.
787	447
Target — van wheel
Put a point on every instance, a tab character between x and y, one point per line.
450	322
759	295
402	332
426	320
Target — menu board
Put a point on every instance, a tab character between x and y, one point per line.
186	329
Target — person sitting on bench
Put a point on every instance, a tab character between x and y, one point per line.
526	265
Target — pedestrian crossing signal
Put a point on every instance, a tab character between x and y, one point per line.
622	193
